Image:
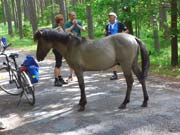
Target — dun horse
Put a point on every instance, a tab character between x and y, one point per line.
87	55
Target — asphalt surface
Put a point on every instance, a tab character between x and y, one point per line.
55	111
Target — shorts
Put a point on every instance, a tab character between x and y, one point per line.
58	58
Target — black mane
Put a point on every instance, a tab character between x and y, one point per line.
52	35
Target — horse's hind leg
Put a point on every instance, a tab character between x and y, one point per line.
129	80
141	79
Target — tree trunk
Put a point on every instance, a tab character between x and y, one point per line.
52	13
41	11
26	10
155	33
89	20
163	25
3	12
156	39
33	19
174	45
14	12
9	17
19	12
63	9
137	27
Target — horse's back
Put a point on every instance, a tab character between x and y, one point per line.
126	47
106	52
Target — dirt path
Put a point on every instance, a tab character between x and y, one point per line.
55	111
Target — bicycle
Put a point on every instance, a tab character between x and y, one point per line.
14	79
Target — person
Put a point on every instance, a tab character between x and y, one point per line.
59	81
75	27
113	27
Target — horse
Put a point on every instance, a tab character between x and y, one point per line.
83	54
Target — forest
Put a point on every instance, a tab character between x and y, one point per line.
156	22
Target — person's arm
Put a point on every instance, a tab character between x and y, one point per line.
80	26
69	28
122	28
106	31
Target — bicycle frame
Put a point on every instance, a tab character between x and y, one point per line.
11	65
18	78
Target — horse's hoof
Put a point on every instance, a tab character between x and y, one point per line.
122	106
81	109
144	105
81	103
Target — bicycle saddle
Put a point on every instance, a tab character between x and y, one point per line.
13	55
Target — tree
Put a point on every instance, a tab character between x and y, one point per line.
63	8
8	16
89	20
174	45
32	12
19	12
3	12
155	32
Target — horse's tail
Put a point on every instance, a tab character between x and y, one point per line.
144	58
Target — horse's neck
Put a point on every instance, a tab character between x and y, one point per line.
61	48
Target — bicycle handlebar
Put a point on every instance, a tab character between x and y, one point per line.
4	47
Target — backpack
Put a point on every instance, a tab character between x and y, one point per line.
32	68
121	28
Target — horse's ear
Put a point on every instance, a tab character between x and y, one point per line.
37	35
70	35
40	32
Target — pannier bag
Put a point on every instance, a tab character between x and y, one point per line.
4	40
32	68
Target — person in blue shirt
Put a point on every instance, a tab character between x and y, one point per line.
113	27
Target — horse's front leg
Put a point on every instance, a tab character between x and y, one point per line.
83	100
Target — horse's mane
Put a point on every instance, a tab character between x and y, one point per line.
53	35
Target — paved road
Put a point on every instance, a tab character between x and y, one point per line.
55	111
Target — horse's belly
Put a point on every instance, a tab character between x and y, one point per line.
98	64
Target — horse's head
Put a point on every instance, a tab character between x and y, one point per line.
43	46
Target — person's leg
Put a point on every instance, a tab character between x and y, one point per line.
71	74
114	76
57	71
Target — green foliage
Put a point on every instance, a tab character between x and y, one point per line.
1	13
48	12
27	30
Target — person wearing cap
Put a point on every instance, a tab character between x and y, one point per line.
113	27
59	81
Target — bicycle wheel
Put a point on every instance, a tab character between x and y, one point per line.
9	81
28	88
